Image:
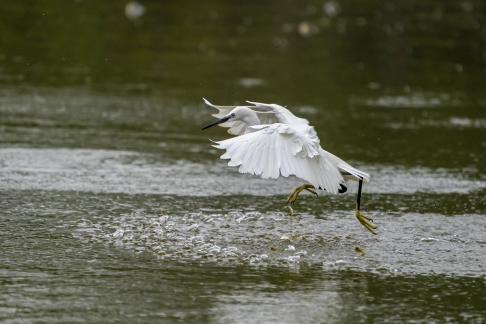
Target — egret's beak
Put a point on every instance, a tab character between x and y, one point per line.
219	121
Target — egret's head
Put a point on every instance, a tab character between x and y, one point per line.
242	113
238	113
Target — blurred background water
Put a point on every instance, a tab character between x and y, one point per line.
114	206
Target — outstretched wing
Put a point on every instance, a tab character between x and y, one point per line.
277	150
281	114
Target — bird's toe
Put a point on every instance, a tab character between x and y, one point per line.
365	221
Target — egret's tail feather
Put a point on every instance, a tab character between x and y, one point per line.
345	168
354	172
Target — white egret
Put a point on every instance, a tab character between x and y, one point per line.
271	142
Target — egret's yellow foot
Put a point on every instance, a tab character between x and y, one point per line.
295	195
366	222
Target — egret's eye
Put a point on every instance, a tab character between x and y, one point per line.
233	115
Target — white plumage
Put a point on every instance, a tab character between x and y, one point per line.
271	142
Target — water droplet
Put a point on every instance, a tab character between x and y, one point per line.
290	248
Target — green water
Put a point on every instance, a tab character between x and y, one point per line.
115	208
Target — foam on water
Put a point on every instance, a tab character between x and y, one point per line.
130	172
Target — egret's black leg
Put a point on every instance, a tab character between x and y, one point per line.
364	220
358	200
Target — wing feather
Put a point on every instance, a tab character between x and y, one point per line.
281	114
280	150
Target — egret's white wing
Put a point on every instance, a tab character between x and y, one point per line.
267	113
281	150
282	114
